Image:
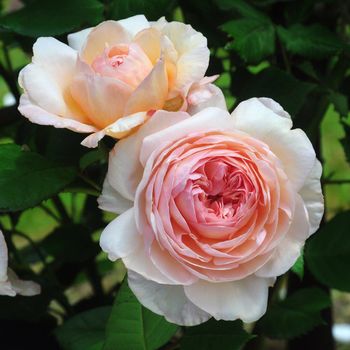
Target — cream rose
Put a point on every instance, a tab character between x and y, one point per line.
111	78
10	285
213	207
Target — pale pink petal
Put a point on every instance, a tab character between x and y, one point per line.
207	120
203	96
288	251
120	238
110	200
245	299
193	53
77	40
40	116
134	24
292	147
92	140
311	192
151	93
169	301
124	168
108	33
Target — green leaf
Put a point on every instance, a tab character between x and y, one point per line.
298	267
84	331
313	41
207	336
340	103
327	253
345	141
78	236
46	18
296	315
272	82
242	7
152	9
131	326
253	39
27	178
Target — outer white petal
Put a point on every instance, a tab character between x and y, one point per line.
3	258
311	192
10	285
46	79
121	238
110	200
193	53
134	24
245	299
169	301
274	106
40	116
292	147
208	95
25	288
288	251
77	40
124	169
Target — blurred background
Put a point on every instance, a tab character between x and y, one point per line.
296	52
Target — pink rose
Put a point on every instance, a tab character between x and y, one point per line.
213	207
10	285
111	78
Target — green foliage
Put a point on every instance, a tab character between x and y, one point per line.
296	315
254	39
312	42
208	336
327	253
131	326
290	92
152	9
84	331
45	18
77	236
27	178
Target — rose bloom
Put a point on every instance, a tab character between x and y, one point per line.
10	285
111	78
213	207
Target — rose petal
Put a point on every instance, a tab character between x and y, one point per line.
77	40
47	79
292	147
120	238
245	299
134	24
124	167
204	96
288	251
3	258
108	33
39	116
110	200
193	53
169	301
102	98
151	93
311	192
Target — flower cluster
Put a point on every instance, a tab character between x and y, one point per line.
212	206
